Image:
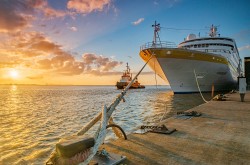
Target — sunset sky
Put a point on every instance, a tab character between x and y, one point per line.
89	42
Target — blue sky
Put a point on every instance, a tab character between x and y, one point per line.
104	33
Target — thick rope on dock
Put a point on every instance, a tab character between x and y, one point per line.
85	157
199	87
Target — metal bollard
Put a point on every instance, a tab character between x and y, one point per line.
242	88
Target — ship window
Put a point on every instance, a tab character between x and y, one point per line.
199	45
195	46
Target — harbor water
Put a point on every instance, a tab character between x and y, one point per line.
34	118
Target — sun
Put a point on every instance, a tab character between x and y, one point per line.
14	74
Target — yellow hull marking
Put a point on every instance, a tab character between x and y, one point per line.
181	54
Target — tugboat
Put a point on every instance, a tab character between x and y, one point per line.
126	79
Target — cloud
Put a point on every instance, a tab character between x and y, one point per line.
9	64
14	15
140	20
8	59
38	52
91	64
95	62
247	47
33	50
73	28
43	7
87	6
63	64
52	13
31	44
100	73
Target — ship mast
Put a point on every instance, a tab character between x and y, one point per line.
156	34
213	31
128	69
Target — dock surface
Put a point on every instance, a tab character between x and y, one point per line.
220	136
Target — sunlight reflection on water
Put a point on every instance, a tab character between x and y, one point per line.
34	118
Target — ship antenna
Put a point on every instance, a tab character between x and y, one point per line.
128	69
156	34
213	31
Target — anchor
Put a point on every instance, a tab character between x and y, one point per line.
81	149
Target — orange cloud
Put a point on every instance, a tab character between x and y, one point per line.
36	51
101	73
45	46
64	64
67	65
44	64
16	15
87	6
99	62
9	61
41	61
37	57
47	11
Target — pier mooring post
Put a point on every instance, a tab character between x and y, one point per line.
242	88
212	92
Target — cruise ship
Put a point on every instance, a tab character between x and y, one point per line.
198	64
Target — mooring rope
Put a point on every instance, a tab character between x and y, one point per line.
104	116
199	87
156	85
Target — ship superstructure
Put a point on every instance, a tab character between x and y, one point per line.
126	78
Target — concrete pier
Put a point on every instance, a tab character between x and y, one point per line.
220	136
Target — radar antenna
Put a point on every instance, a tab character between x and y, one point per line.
213	31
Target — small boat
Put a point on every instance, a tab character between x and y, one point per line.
126	79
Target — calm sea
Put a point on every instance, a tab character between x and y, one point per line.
34	118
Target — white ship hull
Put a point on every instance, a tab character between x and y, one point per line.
177	66
201	64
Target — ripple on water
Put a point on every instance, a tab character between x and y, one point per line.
34	118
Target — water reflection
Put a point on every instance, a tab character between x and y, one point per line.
34	118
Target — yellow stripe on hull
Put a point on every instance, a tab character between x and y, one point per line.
177	66
182	54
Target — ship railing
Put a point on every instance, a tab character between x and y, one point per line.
162	44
